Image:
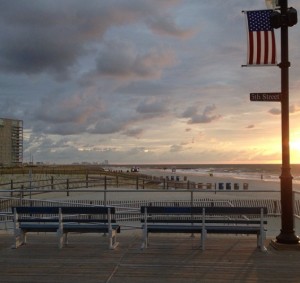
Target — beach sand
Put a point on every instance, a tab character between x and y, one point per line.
256	189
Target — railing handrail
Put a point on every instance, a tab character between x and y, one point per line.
141	190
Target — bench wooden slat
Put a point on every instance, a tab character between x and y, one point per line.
63	220
198	229
204	220
35	227
64	209
207	221
87	228
198	210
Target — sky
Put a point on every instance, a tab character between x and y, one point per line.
142	81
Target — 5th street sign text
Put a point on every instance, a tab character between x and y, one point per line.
271	96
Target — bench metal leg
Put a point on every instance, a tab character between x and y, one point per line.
145	239
260	241
20	238
60	236
203	238
113	239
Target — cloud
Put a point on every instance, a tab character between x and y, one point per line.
107	126
250	127
176	148
138	150
83	112
134	132
207	115
52	36
152	106
122	80
294	109
121	61
166	26
275	111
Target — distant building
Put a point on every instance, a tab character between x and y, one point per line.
11	142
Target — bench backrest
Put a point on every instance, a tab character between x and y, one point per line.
64	210
208	210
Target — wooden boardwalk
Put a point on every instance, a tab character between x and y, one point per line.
169	258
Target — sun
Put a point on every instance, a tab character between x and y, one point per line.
295	151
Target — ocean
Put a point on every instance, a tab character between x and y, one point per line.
267	172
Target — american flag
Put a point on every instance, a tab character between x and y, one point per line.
261	38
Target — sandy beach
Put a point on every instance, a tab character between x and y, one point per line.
256	190
239	189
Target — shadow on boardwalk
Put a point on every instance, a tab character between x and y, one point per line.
170	258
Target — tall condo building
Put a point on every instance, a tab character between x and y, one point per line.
11	142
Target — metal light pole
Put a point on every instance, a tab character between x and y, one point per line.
287	232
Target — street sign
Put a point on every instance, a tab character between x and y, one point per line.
270	96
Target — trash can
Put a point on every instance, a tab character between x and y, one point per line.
236	186
228	186
221	186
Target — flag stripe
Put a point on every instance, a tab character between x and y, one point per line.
258	48
266	41
250	47
273	57
261	38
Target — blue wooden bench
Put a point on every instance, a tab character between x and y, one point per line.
64	220
204	220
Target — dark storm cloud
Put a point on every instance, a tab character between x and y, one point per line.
50	36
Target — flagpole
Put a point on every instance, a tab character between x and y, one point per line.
287	232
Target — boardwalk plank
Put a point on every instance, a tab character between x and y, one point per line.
87	259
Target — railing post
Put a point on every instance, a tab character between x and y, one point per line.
30	178
22	192
105	188
52	183
11	187
68	188
192	197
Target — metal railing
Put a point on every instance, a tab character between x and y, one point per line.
109	192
